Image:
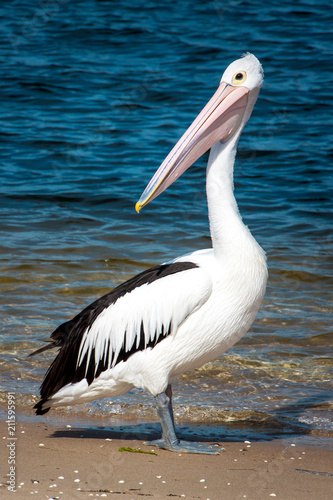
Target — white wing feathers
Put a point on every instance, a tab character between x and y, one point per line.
150	310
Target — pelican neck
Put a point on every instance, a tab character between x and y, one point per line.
228	233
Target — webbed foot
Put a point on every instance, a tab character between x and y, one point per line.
187	447
169	439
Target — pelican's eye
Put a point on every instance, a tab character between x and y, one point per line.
239	77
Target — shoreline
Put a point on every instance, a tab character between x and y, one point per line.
74	462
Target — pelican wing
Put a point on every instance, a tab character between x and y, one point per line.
134	316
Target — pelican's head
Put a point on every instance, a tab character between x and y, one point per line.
246	71
222	119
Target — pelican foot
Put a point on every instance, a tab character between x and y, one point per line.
169	440
187	447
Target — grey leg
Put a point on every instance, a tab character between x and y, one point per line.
169	439
165	412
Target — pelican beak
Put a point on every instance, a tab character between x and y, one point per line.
218	121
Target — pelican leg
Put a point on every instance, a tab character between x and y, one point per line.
169	439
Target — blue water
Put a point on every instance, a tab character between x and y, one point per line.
94	94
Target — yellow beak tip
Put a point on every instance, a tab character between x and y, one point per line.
137	206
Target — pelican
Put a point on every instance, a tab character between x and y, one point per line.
184	313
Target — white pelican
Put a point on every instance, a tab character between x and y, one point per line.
179	315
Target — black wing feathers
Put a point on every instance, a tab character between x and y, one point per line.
68	336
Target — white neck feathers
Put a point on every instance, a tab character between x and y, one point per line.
229	235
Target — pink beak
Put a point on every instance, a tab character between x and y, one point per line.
218	121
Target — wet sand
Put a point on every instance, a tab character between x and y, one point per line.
73	463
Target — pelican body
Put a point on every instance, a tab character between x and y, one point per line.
179	315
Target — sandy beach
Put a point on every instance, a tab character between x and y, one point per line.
63	462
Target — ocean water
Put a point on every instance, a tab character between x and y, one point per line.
94	94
